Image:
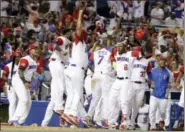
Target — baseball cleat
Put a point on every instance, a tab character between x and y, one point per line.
161	125
106	125
123	127
88	122
16	123
59	112
10	123
74	120
66	118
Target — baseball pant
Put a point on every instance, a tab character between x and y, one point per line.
74	90
48	114
156	103
116	101
96	93
136	94
12	98
24	100
124	98
107	82
87	85
181	101
57	84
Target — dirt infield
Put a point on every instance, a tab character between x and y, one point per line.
48	129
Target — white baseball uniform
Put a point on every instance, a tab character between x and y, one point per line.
12	98
181	101
119	91
24	99
103	79
143	117
87	83
56	67
137	90
77	67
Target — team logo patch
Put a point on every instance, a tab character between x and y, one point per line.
165	77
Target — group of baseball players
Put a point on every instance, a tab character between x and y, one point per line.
114	79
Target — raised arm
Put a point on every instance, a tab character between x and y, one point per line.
79	23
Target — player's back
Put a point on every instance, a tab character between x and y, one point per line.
102	60
79	54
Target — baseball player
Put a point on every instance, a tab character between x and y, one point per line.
180	106
119	90
77	67
7	75
161	78
141	67
21	84
102	77
143	116
56	67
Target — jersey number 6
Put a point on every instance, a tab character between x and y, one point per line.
125	67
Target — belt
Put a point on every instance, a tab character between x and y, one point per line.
138	82
74	65
122	78
53	59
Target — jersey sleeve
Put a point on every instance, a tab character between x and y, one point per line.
149	67
182	69
81	38
91	59
23	64
171	78
113	55
135	54
6	71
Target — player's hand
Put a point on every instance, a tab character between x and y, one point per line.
174	85
65	53
152	85
27	85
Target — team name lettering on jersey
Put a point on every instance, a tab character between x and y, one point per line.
123	59
102	53
140	66
32	67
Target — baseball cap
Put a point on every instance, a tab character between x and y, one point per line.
138	48
32	46
17	53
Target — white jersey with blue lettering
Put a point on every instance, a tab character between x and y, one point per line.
124	64
143	117
102	61
139	71
30	68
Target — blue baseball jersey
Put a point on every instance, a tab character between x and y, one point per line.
161	78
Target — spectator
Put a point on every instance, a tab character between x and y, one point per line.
179	12
157	15
4	7
138	6
171	21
